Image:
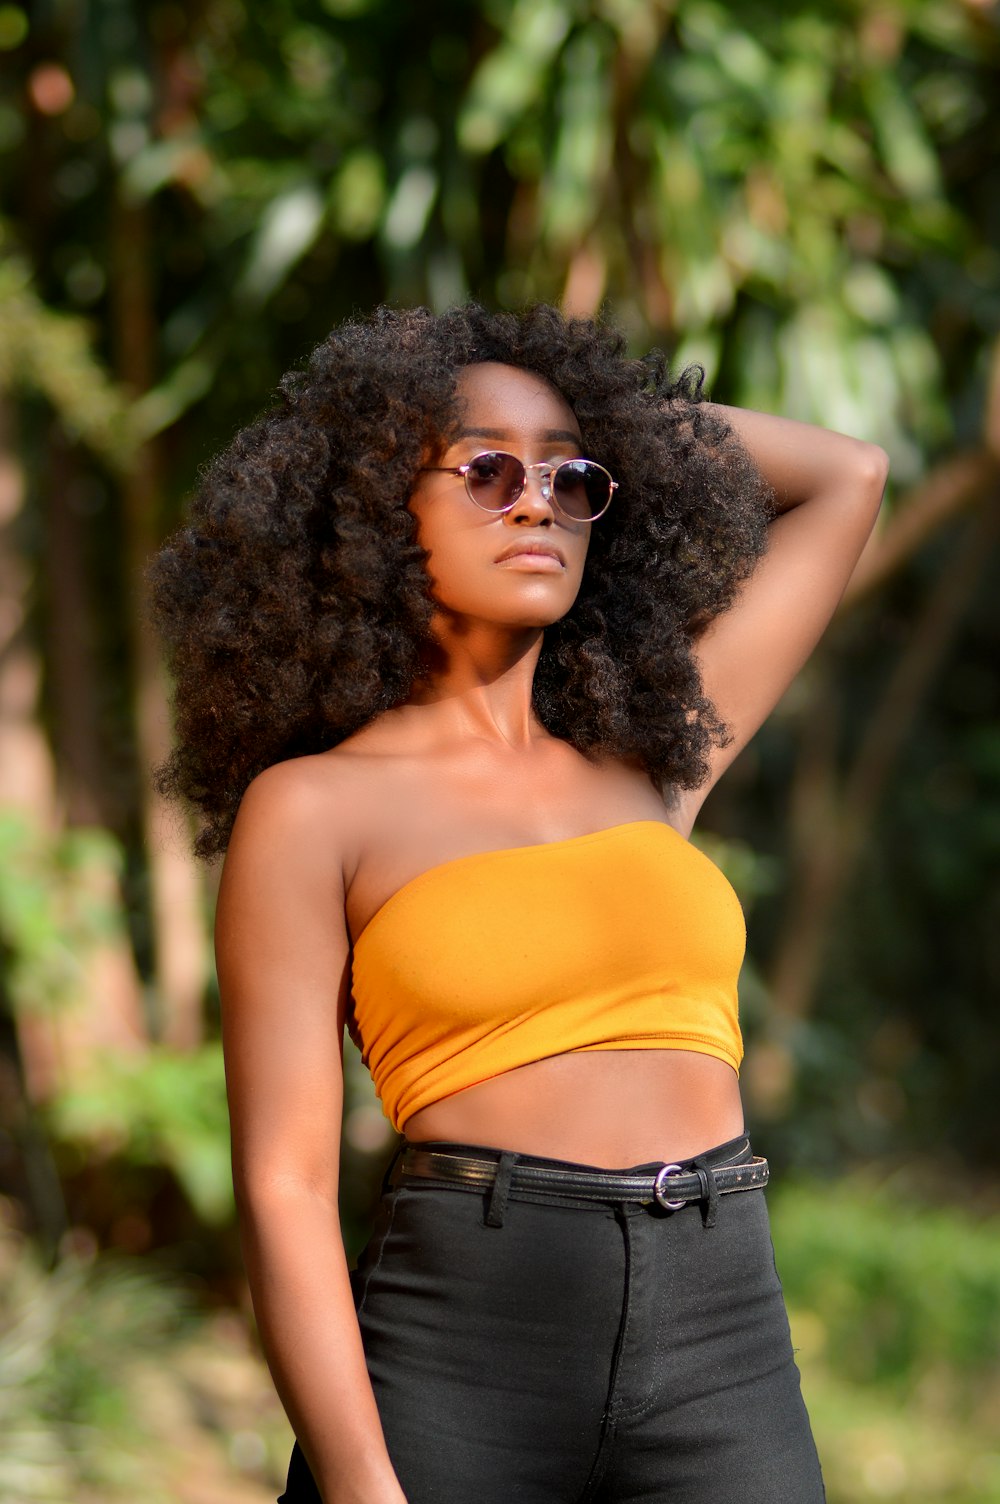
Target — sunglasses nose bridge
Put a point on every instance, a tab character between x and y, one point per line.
545	473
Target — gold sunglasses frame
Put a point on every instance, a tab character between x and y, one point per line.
548	490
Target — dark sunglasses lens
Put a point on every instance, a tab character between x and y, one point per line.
495	480
582	489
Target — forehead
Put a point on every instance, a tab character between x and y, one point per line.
510	400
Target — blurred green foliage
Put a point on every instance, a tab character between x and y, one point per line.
51	910
161	1107
902	1287
781	191
49	353
70	1342
895	1314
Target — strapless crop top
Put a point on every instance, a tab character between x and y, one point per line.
626	939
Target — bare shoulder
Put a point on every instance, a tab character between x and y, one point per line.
301	788
309	808
307	825
281	938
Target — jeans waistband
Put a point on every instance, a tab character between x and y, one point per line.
733	1151
503	1175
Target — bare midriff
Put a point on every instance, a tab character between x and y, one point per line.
613	1108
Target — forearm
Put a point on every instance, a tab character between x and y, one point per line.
302	1300
802	462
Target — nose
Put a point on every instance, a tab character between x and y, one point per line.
534	506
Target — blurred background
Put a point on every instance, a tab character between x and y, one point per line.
801	195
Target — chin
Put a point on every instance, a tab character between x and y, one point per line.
515	615
536	611
533	623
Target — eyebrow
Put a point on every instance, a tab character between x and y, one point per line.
548	435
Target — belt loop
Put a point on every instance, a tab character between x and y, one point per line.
388	1180
497	1207
709	1191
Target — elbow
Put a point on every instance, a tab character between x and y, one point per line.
280	1216
265	1196
872	473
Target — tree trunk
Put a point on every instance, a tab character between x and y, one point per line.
72	672
178	923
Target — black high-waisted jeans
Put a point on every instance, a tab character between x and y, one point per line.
599	1353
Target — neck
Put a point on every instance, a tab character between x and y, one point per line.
479	683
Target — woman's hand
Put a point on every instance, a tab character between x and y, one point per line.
827	491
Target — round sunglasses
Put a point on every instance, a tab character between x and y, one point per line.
580	489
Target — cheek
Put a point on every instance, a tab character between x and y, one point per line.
454	552
442	566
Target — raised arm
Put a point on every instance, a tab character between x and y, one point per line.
282	954
827	491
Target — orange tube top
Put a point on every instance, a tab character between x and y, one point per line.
626	939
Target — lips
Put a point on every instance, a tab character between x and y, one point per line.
531	546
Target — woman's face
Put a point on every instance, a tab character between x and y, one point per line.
481	564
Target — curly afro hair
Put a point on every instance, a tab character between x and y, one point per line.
296	607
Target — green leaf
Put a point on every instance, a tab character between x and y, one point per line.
53	354
164	1107
288	227
903	145
510	78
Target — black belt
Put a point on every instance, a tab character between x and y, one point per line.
670	1186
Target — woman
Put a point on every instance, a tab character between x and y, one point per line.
466	629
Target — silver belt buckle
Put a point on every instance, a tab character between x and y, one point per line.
659	1187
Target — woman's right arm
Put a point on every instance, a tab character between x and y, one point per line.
283	961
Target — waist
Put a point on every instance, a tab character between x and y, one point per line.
614	1108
